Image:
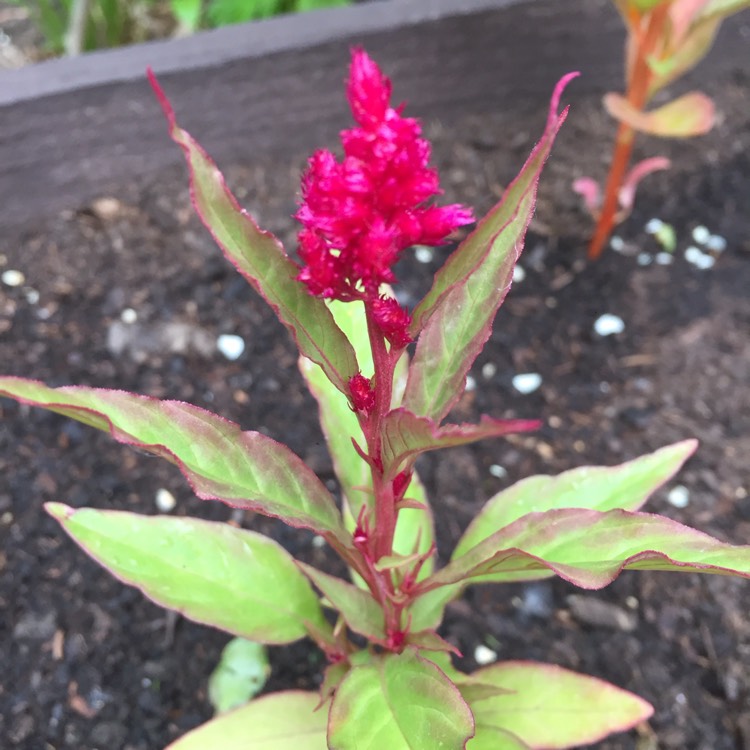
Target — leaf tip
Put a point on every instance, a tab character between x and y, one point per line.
59	511
161	97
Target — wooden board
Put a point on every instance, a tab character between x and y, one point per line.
73	129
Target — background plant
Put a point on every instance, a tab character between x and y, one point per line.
380	409
74	26
665	39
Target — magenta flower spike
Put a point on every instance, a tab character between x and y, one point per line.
359	214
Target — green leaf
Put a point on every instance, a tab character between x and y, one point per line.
338	420
723	8
306	5
692	49
187	13
406	436
590	549
455	317
398	702
427	609
213	573
228	12
242	469
492	738
626	486
261	260
689	115
239	676
360	611
646	5
550	707
279	721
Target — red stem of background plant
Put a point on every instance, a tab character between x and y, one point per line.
639	82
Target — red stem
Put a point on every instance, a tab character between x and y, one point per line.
639	82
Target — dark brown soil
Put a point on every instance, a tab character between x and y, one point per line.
89	663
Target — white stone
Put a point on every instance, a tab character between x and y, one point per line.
653	226
165	501
129	316
698	258
484	655
519	273
664	259
230	346
32	295
499	472
527	382
11	277
701	235
617	243
607	325
644	259
424	254
489	370
716	243
679	496
471	384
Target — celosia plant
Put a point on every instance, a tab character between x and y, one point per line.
666	38
390	682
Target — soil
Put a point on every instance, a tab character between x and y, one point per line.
89	663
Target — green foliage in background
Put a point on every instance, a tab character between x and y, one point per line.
112	23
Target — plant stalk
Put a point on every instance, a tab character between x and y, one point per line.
639	83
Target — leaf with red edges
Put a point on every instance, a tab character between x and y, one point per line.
454	320
626	487
261	260
360	611
398	702
219	460
405	435
689	115
551	708
279	721
201	569
590	549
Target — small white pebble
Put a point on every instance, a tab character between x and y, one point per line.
484	655
318	542
644	259
11	277
32	295
519	273
165	501
527	382
716	243
230	346
424	254
617	243
471	384
608	324
499	472
664	259
698	258
679	496
489	370
631	602
680	699
653	226
44	313
701	235
128	315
